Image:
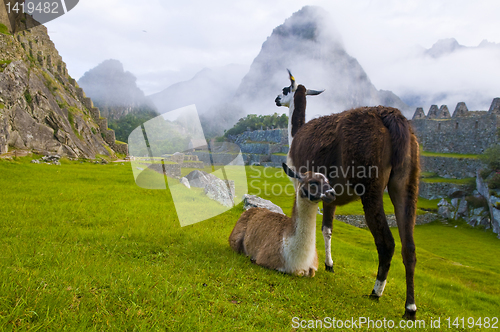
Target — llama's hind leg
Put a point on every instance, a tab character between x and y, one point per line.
404	200
377	223
326	229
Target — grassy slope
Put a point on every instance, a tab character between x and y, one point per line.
448	155
83	248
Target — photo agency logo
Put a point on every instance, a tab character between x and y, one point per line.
31	13
161	147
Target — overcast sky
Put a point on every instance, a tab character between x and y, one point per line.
162	42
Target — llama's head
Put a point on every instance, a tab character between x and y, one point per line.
312	186
288	93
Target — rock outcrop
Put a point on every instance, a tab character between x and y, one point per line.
41	106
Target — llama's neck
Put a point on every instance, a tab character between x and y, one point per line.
291	109
296	112
300	245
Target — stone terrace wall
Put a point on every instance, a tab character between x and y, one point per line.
470	135
276	136
451	167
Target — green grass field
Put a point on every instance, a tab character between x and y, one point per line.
83	248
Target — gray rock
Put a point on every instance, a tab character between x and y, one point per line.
218	191
485	222
443	202
445	209
495	221
462	208
256	201
215	188
185	182
199	178
454	202
35	161
51	158
478	211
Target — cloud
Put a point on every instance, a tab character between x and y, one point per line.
190	35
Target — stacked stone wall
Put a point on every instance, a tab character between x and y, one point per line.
276	136
465	135
451	167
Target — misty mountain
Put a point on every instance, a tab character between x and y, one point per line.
450	45
114	90
443	46
462	77
310	46
208	88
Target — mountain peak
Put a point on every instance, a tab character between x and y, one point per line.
310	46
444	46
113	89
303	24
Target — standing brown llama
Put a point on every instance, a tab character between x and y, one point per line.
362	152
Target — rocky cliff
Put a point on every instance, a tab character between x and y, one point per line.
41	106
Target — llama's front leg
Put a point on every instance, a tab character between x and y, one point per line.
326	229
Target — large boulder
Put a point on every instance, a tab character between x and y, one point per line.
215	188
255	201
199	178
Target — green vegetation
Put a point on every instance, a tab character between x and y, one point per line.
4	30
4	64
125	125
28	97
448	155
255	122
49	83
470	181
477	202
491	158
72	111
2	106
92	251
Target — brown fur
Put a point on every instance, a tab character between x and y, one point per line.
363	137
259	233
263	241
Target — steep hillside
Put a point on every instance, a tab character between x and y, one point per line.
308	44
41	106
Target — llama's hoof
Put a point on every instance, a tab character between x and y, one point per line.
410	314
374	296
328	268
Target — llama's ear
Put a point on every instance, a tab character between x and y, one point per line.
313	92
291	173
293	84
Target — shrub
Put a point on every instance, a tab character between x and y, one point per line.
255	122
477	201
491	157
4	29
27	96
484	173
494	182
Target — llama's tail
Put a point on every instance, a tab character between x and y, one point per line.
400	132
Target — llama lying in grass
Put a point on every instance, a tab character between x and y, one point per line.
281	243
